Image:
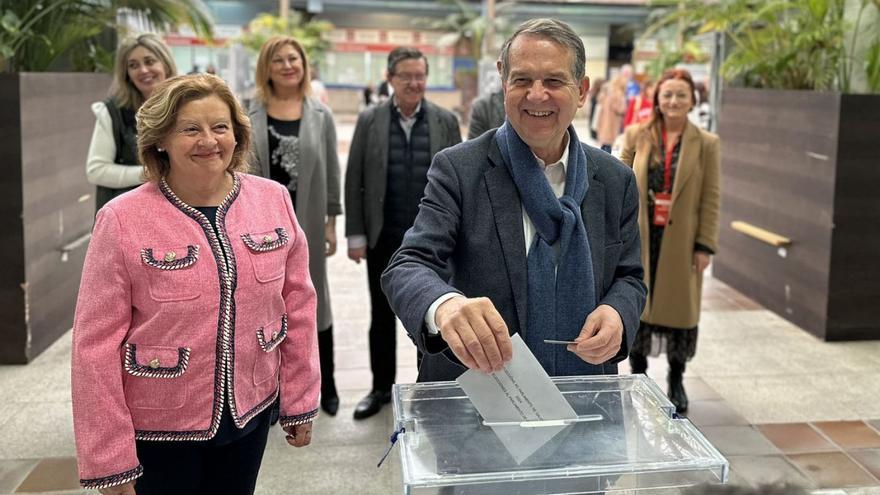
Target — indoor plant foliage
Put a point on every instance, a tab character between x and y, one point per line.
466	27
670	55
782	44
310	33
36	35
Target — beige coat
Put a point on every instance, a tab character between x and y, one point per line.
611	113
694	218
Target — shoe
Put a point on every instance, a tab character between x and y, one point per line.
676	392
330	404
371	404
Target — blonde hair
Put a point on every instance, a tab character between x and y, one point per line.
158	115
123	89
265	88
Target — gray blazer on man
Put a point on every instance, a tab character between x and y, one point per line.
366	175
468	238
318	188
487	113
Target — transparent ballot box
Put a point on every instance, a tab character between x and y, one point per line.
627	439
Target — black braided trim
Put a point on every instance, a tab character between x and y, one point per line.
192	254
133	368
114	480
240	422
299	419
263	245
271	344
226	317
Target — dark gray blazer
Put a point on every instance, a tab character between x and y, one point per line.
468	238
367	173
486	113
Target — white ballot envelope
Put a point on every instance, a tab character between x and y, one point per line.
520	402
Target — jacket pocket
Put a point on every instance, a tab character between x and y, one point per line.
266	253
155	374
268	356
171	272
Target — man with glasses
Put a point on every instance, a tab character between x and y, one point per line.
392	148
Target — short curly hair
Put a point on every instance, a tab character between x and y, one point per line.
158	115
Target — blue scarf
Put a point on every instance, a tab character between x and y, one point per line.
560	289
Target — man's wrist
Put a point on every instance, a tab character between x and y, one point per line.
357	241
431	314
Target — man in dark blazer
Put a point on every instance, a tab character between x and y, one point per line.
524	230
391	151
487	112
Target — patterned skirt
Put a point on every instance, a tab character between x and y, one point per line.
680	344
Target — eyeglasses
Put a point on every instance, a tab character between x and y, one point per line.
407	78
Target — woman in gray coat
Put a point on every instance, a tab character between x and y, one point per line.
295	144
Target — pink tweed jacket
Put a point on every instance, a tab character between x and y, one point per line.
166	334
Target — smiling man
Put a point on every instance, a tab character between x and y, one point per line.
524	230
391	150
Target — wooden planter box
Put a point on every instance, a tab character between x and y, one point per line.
806	166
46	205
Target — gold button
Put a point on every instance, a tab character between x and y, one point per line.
170	256
154	363
267	238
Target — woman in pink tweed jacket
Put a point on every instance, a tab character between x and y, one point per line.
196	314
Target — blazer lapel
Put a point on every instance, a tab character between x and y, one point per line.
507	212
381	135
308	144
435	129
593	213
687	159
261	133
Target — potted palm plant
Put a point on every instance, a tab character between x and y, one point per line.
53	55
799	120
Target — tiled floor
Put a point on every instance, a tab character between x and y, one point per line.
779	404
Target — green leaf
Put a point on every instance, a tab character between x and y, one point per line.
10	22
872	66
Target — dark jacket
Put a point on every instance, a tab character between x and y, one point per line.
366	176
487	113
468	238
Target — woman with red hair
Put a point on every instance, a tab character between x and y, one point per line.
677	169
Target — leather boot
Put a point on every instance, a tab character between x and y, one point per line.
676	392
329	397
638	363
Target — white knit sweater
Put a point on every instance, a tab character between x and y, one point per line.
101	169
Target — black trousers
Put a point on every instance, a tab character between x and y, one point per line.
196	468
383	331
325	352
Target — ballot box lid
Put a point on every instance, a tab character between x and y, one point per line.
634	442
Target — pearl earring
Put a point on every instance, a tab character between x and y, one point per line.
160	150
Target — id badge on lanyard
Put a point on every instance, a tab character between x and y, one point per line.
663	200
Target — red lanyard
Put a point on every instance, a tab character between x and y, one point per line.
667	169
